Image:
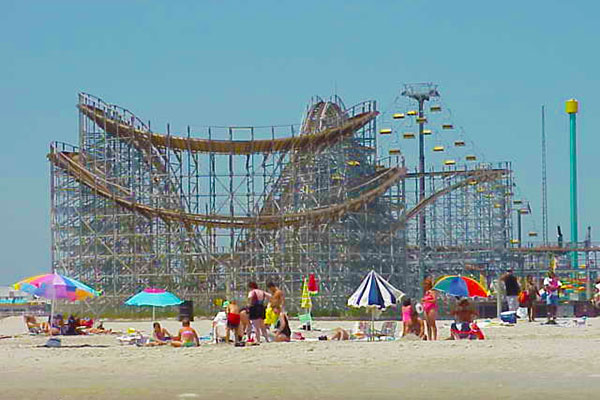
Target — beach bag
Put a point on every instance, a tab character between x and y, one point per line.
509	316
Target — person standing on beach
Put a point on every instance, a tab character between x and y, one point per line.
256	302
277	300
430	308
512	290
551	286
532	293
277	296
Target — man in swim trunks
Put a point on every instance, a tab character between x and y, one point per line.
233	321
464	315
187	336
277	296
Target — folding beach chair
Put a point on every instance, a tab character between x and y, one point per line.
362	329
305	321
388	329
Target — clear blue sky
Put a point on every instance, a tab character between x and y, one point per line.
215	62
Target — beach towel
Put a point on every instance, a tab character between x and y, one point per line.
270	316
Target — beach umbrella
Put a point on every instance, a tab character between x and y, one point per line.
155	298
461	286
306	300
313	286
376	293
55	287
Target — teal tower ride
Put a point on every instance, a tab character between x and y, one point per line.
571	107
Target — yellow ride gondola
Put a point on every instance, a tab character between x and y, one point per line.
447	126
421	120
438	148
353	163
514	241
459	143
517	201
412	112
497	205
408	135
427	132
394	151
435	108
385	131
472	182
449	162
532	234
398	116
470	158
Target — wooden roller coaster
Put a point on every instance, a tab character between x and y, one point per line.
74	165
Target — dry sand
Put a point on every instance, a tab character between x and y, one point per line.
525	361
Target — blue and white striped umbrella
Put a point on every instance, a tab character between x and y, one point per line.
374	291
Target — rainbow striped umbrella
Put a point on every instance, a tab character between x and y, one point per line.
461	286
56	287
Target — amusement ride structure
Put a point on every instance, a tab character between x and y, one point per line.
203	213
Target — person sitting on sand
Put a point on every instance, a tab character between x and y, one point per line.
159	334
416	326
187	336
32	325
283	333
464	315
233	322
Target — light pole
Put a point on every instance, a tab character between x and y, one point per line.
571	107
421	92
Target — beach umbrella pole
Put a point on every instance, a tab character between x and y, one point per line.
153	314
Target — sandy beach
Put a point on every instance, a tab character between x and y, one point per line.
527	360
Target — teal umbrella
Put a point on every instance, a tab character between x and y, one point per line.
155	298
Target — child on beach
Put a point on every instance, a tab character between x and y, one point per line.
430	307
551	286
415	326
233	322
407	310
187	336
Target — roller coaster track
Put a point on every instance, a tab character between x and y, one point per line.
311	142
74	165
478	176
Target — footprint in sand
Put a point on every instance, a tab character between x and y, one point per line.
188	396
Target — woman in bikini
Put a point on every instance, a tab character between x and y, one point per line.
430	308
160	334
187	336
283	333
